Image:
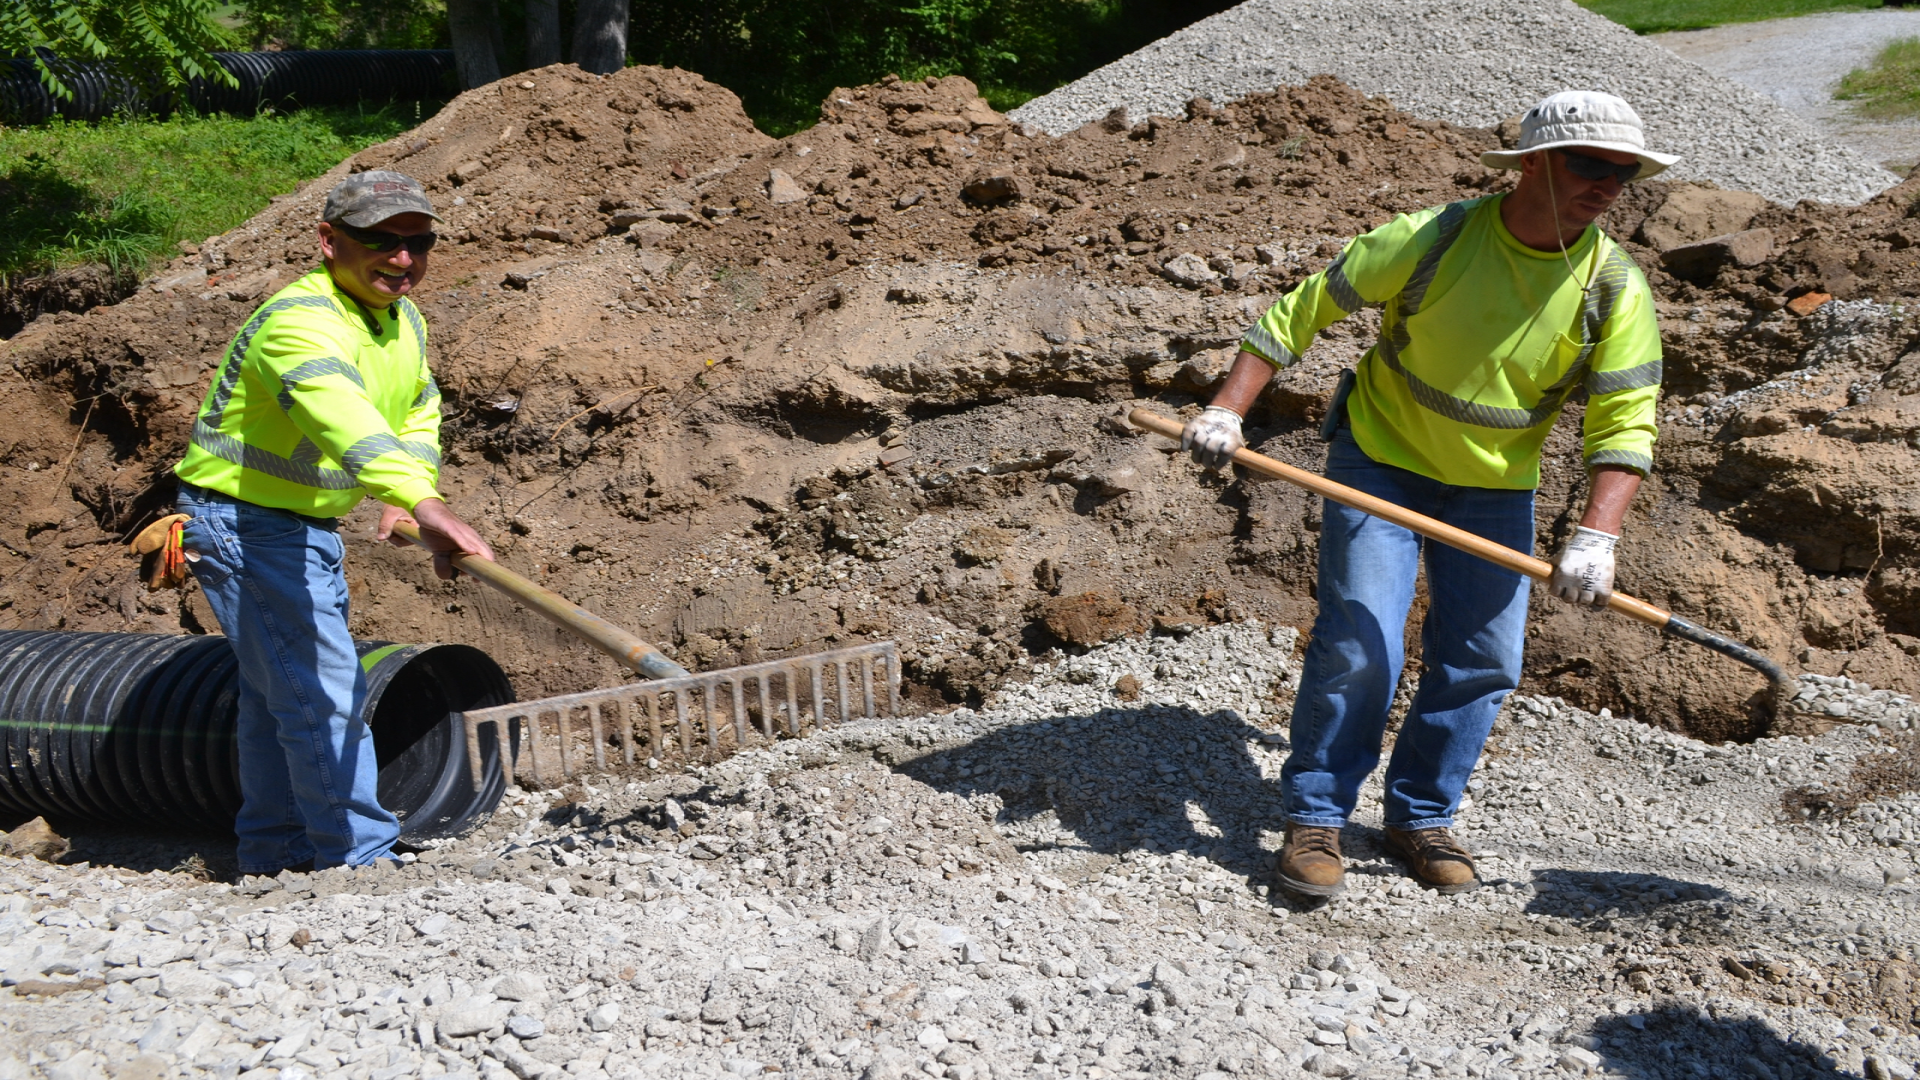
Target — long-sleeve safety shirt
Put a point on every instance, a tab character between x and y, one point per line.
318	403
1482	339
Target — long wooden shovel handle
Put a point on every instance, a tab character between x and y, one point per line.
638	655
1498	554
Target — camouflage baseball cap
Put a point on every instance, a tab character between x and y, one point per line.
369	198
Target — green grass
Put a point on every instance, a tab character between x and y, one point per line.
1657	16
122	193
1890	86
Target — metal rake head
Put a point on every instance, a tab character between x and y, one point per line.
714	710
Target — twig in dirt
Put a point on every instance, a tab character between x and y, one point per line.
601	404
75	452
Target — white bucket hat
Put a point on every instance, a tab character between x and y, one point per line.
1581	118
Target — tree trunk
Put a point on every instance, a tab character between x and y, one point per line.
473	24
600	35
543	32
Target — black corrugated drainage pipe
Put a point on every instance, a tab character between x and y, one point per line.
138	730
281	79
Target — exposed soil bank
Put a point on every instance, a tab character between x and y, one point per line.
751	395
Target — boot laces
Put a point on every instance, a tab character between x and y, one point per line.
1316	839
1437	843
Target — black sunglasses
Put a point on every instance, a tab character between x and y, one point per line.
384	242
1588	167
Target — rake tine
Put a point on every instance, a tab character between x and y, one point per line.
533	747
561	716
866	685
736	689
656	747
819	694
471	728
840	683
792	679
599	738
686	729
712	727
626	731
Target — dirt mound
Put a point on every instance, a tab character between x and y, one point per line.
752	396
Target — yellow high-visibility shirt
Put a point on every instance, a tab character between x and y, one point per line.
1482	340
312	410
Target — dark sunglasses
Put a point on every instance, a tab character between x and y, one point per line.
384	242
1588	167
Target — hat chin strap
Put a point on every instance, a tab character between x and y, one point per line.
1559	234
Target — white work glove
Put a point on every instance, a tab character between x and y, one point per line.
1583	574
1213	436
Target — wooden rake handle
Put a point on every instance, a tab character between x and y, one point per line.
640	656
1498	554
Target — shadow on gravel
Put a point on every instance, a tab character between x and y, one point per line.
1602	895
1122	779
1684	1044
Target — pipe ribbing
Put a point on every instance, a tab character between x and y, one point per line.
138	728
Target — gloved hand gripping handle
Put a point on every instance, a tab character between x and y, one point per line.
1498	554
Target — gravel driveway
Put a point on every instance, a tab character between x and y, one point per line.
1799	62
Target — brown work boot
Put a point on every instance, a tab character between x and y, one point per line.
1435	857
1310	861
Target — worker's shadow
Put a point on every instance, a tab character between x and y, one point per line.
1114	786
1602	900
1683	1042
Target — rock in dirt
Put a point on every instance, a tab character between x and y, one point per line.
35	840
783	189
1700	261
1694	212
1089	618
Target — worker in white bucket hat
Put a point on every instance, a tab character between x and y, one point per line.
1495	310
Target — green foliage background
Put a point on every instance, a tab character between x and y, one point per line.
1658	16
123	192
783	57
156	43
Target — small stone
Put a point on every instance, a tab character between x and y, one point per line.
1807	303
35	840
461	1020
910	197
522	1026
604	1017
1188	270
782	189
719	1010
994	187
521	986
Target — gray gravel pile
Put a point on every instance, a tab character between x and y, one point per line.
1068	883
1476	62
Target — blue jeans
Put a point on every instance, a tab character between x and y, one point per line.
1471	644
308	776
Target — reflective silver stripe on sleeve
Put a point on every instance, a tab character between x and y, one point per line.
418	324
362	453
1634	378
429	392
1603	294
1260	340
426	452
1340	288
1632	459
236	352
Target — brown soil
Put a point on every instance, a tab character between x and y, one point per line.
751	396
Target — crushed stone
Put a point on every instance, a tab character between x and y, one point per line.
1054	884
1477	63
